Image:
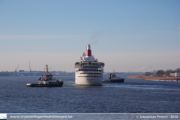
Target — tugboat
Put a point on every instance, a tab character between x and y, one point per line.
113	78
48	81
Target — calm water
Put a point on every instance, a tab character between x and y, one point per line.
133	96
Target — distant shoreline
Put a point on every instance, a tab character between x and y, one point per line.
154	78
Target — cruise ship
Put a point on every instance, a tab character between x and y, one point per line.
88	71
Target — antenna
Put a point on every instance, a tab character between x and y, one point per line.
113	71
46	69
17	67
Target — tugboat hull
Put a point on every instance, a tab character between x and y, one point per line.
45	85
114	81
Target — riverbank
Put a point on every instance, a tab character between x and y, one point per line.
154	78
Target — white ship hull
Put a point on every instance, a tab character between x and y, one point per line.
91	81
88	71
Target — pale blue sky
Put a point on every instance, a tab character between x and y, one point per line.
63	28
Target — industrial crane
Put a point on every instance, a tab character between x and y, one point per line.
16	69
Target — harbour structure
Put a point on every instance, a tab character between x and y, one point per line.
88	71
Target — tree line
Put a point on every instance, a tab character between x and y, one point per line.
162	72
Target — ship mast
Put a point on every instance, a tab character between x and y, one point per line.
46	69
113	71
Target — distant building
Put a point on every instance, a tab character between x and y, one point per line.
172	74
175	74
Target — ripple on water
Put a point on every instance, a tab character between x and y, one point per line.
133	96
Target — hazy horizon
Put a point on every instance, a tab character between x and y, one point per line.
125	35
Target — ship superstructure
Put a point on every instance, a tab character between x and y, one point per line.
88	71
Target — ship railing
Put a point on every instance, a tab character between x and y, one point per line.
92	73
91	64
90	70
89	76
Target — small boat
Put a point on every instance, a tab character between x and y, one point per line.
48	81
113	78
